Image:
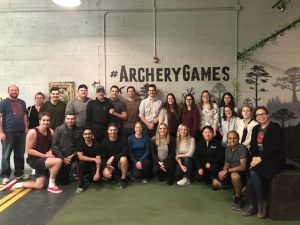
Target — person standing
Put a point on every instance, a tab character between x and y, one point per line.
97	114
170	114
119	111
33	111
55	108
78	105
149	109
132	106
13	128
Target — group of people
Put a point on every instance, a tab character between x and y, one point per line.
107	137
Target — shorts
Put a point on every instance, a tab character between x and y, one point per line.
39	164
227	180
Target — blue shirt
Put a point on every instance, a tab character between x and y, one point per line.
139	148
13	115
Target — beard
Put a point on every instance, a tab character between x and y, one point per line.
13	95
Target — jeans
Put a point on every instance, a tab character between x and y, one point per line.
255	189
15	141
188	163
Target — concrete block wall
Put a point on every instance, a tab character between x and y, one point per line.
41	42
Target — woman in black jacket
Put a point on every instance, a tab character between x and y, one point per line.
267	159
163	153
209	158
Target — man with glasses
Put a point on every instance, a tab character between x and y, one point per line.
149	109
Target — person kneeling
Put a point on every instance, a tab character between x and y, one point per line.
88	152
40	156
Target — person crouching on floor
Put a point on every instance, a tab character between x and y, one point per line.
114	155
88	152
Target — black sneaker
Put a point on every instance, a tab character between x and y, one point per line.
237	203
123	183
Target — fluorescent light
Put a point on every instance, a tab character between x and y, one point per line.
67	3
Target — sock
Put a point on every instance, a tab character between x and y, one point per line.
17	185
51	182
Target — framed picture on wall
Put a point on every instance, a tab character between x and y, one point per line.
66	90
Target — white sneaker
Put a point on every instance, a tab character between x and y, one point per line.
183	181
23	177
144	181
5	180
79	190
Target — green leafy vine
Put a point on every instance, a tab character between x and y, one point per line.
260	43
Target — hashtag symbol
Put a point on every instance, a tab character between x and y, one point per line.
114	73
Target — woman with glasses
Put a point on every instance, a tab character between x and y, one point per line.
190	114
267	159
228	123
209	113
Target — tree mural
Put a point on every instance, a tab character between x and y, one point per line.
291	81
190	90
248	102
283	115
255	78
143	93
217	91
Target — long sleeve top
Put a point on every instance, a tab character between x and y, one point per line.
211	152
171	151
187	149
138	148
191	119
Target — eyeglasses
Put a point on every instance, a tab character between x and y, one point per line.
261	114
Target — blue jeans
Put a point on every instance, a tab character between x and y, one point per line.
15	141
188	163
255	189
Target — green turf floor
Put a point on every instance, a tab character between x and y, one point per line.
154	203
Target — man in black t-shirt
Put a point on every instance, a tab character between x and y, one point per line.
88	152
114	155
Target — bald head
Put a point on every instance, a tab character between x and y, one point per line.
13	91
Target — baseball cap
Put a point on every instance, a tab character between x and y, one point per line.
99	88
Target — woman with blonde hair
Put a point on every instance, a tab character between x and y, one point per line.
185	147
163	154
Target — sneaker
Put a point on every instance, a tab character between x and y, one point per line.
123	183
183	181
237	203
23	177
5	180
55	189
249	211
79	190
170	180
144	181
262	210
